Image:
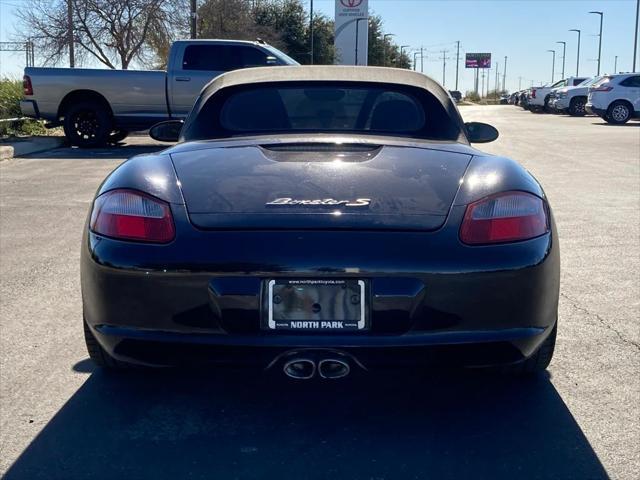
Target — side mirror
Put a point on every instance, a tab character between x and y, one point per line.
481	132
168	131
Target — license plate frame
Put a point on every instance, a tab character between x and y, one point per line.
337	310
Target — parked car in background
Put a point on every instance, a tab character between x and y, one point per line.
615	98
97	106
504	99
540	96
572	100
524	99
456	95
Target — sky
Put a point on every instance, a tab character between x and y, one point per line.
522	30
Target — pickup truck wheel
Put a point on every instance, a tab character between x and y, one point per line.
87	124
546	108
577	107
619	112
118	135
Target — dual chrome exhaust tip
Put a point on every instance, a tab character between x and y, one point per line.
305	368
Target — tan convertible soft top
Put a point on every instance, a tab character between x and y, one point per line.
332	73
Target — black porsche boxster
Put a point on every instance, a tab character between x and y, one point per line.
319	220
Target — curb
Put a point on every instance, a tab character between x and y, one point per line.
21	148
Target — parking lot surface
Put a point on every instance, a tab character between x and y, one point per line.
62	419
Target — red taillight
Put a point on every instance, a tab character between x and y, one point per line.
505	217
26	85
533	93
602	89
132	215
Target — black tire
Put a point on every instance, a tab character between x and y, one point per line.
98	354
539	361
118	136
87	124
546	108
619	112
577	107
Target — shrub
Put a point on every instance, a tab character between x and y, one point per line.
10	96
472	96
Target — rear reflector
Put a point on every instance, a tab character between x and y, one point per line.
132	215
505	217
26	85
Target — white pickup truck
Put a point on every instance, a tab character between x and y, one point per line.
540	96
98	106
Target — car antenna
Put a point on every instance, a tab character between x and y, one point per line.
261	41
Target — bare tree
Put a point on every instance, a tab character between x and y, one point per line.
112	31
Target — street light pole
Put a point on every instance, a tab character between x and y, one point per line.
384	47
553	65
504	74
402	47
600	38
635	38
615	65
311	33
578	55
358	20
564	54
415	58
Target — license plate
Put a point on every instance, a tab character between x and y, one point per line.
317	305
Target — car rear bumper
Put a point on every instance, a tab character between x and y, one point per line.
593	110
457	348
29	108
203	299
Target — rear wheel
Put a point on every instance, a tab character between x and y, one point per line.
619	112
98	354
546	108
577	107
539	361
87	124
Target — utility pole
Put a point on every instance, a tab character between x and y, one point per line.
553	65
193	18
600	37
635	38
311	33
615	65
421	59
444	66
578	55
564	54
70	39
504	74
458	60
415	60
519	83
496	86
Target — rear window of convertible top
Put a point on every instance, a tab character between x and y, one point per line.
324	108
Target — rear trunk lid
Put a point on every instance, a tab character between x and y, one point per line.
319	186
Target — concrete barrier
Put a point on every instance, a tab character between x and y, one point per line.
28	146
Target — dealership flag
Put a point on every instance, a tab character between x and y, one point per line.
352	18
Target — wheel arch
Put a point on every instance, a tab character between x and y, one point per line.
78	96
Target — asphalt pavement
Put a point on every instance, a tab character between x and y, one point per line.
60	418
